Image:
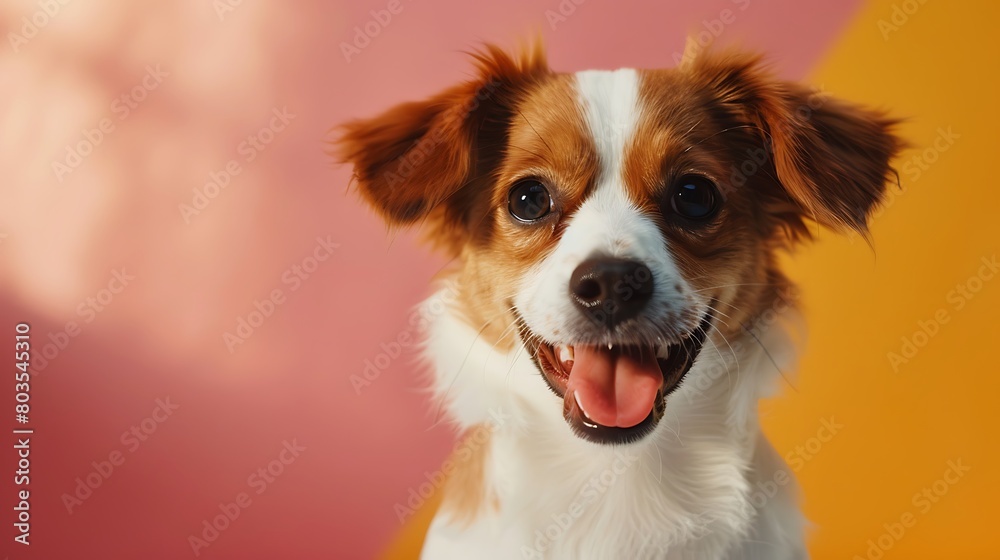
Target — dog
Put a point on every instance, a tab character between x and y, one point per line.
614	308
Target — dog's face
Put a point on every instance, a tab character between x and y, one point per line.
615	219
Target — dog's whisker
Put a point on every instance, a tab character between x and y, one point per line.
513	361
725	362
443	398
716	313
676	432
709	137
512	327
509	330
769	357
739	284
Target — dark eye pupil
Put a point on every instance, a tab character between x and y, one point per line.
694	198
529	201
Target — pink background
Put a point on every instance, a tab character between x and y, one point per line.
162	335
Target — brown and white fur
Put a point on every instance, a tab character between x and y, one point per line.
615	164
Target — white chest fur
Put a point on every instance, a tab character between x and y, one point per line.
681	493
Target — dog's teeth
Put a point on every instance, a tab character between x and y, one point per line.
565	357
611	346
565	353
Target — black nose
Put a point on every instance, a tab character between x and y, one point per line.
610	291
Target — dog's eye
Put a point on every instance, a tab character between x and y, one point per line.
694	197
529	200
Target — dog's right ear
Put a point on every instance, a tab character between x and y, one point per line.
425	160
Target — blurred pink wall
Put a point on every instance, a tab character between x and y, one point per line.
113	115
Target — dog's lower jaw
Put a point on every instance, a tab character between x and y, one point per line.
685	491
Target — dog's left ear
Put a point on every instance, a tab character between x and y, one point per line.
832	158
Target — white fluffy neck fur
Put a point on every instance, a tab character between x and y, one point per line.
680	493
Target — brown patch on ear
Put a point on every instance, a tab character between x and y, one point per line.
466	495
428	159
831	157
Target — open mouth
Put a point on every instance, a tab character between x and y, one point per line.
615	393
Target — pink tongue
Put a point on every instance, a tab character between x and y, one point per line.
614	388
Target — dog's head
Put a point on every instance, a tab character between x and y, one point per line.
617	218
